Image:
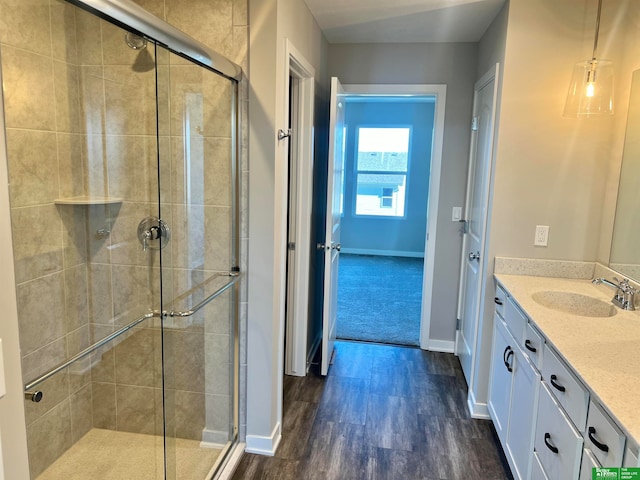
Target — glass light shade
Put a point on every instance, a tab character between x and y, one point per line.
591	89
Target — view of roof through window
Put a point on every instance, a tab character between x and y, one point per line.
382	164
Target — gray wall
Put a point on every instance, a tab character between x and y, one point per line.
271	22
389	234
454	65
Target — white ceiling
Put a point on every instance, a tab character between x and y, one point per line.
404	21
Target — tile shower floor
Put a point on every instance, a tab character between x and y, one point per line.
112	455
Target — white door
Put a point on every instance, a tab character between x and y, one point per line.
334	212
476	206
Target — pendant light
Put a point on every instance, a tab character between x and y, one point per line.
591	89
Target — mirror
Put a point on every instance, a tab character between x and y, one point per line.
625	244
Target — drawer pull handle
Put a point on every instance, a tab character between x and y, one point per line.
547	437
527	345
506	362
497	301
504	354
558	387
602	446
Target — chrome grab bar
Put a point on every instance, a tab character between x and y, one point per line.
235	276
36	396
78	356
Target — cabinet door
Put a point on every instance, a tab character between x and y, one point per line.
589	462
557	442
502	360
537	472
524	406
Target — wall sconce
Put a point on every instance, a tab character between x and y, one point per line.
591	89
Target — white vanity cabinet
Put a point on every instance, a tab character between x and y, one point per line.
550	423
513	391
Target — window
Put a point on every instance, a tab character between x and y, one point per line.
382	164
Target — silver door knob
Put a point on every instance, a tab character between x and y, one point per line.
474	256
336	246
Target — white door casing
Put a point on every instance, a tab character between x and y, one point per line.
335	171
301	150
440	94
473	263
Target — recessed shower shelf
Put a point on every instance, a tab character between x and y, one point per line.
87	200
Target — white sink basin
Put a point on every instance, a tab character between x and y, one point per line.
575	303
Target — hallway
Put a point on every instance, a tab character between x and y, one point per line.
383	412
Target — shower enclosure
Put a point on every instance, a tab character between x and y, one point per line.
121	139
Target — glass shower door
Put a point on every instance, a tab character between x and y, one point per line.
121	164
84	167
197	143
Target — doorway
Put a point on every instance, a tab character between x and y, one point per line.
299	159
384	217
437	96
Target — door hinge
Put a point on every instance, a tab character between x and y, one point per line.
474	124
291	246
465	225
458	321
282	134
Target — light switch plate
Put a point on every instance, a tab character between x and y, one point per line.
456	215
542	236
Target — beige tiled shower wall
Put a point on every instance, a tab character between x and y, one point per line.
68	79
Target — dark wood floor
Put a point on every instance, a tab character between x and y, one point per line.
383	412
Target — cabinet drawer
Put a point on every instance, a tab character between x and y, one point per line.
515	320
500	300
537	472
604	438
566	388
557	442
533	345
589	462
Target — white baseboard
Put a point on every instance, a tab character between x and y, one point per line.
445	346
476	409
263	445
386	253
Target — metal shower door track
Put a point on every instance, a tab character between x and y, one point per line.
132	16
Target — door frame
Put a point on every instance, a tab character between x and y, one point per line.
493	74
440	92
303	74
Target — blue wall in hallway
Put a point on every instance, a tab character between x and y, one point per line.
390	234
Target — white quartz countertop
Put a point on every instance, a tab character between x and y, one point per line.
604	352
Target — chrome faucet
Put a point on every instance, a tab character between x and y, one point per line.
625	292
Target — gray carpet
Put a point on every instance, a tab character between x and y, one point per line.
379	299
